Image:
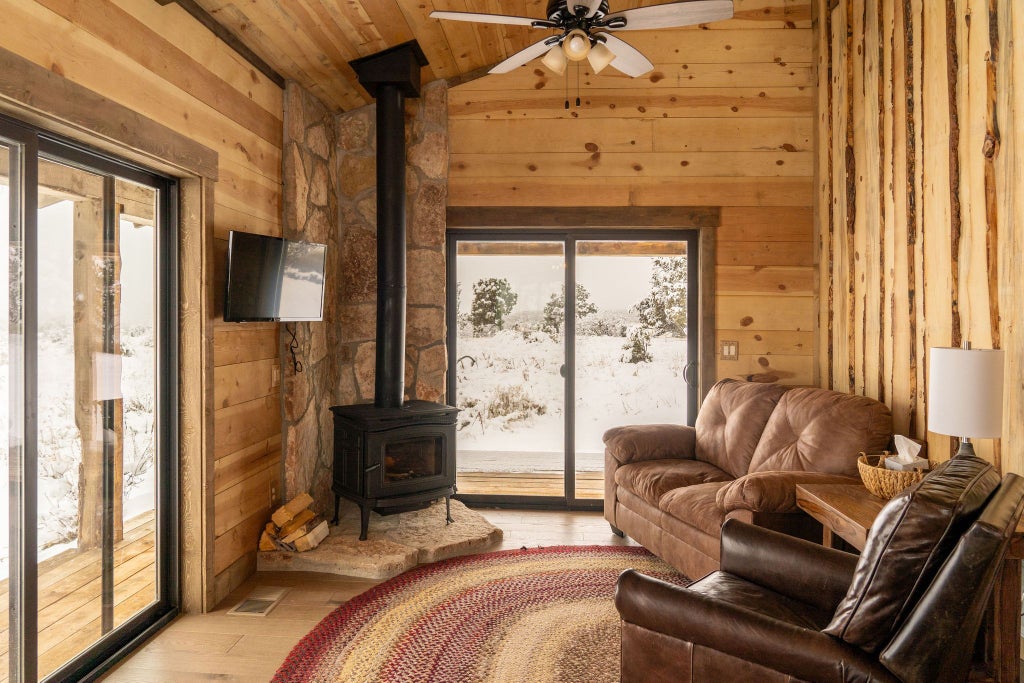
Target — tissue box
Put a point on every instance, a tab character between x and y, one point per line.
917	464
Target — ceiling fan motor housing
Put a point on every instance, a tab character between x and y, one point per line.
562	10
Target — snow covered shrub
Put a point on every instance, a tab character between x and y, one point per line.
603	326
139	442
513	403
637	346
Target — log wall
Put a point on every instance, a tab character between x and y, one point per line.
918	162
725	119
160	62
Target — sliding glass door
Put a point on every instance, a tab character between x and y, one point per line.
539	375
88	365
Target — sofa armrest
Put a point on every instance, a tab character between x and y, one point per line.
790	566
650	442
699	619
772	491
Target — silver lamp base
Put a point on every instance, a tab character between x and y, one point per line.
966	449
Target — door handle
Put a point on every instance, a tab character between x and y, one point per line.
561	370
689	368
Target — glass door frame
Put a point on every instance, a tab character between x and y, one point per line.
28	145
569	237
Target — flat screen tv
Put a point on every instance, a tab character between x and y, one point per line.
273	279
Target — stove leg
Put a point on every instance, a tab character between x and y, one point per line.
337	502
364	521
448	510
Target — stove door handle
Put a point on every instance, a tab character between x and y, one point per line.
371	468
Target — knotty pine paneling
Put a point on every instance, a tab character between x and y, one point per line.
919	240
726	119
161	63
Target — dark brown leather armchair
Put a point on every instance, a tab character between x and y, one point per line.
783	609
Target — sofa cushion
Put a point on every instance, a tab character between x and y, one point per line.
818	430
908	542
731	420
652	479
696	506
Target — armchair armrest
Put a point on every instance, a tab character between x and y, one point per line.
650	442
772	491
699	619
789	566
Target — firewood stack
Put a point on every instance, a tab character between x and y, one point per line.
294	527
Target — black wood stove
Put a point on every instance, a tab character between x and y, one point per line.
392	456
393	459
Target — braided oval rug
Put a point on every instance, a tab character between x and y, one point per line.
540	615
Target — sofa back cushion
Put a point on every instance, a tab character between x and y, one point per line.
908	543
731	420
817	430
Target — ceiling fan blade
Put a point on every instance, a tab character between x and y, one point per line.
628	59
524	56
673	14
506	19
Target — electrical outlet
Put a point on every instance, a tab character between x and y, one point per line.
275	375
729	350
273	496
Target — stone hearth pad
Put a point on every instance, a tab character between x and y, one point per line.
394	543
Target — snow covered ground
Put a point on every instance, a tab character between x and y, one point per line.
512	398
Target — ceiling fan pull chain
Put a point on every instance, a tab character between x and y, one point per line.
567	92
578	84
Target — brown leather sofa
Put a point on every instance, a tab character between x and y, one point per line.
671	487
782	609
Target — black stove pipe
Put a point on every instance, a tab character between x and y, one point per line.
389	388
390	76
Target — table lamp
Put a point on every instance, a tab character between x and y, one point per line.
965	394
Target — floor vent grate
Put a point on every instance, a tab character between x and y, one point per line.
259	603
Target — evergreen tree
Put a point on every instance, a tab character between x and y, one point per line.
664	309
554	309
493	300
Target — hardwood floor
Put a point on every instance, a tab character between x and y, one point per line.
217	647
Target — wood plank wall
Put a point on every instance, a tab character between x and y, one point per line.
920	238
161	63
725	119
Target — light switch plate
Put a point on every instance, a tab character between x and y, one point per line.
729	350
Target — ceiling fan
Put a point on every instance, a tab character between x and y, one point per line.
586	28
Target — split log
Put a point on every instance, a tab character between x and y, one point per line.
313	538
286	512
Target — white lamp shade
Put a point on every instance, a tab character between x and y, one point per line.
600	57
576	45
555	60
965	392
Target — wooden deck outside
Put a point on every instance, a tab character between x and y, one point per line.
69	601
588	484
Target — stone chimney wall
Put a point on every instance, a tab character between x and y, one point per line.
330	197
426	200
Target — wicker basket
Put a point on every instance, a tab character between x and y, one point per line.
882	482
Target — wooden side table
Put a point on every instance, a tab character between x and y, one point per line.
849	510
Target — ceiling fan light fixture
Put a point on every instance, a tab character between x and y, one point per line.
555	60
576	45
600	57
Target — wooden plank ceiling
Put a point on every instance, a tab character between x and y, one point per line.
312	41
